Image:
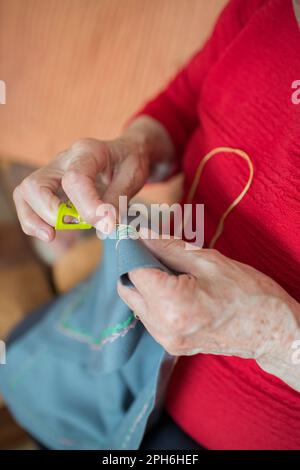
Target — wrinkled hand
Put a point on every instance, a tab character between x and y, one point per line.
89	172
216	306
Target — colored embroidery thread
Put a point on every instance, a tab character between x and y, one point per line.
217	151
108	335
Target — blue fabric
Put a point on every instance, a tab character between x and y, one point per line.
87	375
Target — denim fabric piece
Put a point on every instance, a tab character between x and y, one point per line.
132	255
87	375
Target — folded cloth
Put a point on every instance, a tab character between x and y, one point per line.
86	374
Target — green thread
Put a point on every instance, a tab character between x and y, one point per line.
64	324
106	333
124	231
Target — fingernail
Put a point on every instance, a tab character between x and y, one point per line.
43	235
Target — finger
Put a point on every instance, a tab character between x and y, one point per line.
142	278
173	252
40	198
136	303
30	222
133	299
79	184
127	180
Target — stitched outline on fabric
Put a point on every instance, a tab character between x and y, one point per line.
108	335
137	420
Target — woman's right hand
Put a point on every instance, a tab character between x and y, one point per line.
92	172
121	164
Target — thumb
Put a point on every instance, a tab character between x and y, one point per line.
173	252
128	178
78	182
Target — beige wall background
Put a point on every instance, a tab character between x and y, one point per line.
78	68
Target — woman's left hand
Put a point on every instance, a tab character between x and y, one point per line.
216	306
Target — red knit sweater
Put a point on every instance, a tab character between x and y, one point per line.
237	92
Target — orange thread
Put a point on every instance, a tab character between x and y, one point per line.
192	191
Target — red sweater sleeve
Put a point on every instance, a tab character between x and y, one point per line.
176	106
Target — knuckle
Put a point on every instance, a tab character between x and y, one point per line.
70	178
161	278
78	144
180	286
29	185
176	321
85	145
181	322
185	282
61	156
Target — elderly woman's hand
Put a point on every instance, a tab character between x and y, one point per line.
216	306
121	164
91	172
